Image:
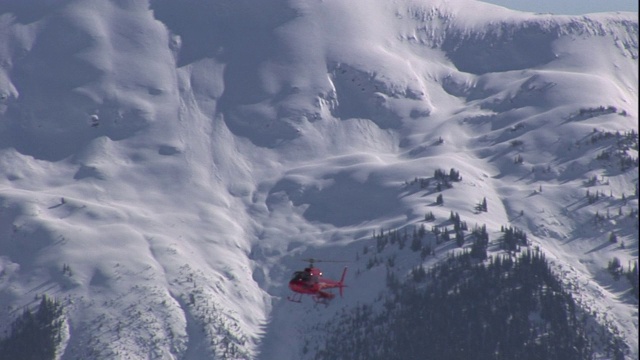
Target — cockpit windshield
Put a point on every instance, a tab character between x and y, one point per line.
301	276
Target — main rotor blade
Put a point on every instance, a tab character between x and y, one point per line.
312	260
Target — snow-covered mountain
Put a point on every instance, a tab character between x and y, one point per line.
165	165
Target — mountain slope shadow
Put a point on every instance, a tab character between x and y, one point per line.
345	202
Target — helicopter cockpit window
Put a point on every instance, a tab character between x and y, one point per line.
301	276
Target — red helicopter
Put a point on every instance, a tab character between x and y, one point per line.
310	282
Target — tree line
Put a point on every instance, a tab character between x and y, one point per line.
508	307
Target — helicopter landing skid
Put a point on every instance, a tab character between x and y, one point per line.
296	298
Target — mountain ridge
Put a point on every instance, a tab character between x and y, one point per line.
180	164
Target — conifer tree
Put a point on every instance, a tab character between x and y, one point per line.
35	335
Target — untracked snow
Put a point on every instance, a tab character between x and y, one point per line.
180	158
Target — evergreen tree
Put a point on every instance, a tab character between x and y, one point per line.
482	206
454	175
480	243
459	238
464	309
416	243
429	216
35	335
445	235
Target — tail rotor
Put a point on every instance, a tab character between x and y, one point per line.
341	284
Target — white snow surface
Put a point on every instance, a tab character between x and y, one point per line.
181	157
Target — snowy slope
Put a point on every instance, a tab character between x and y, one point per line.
181	157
